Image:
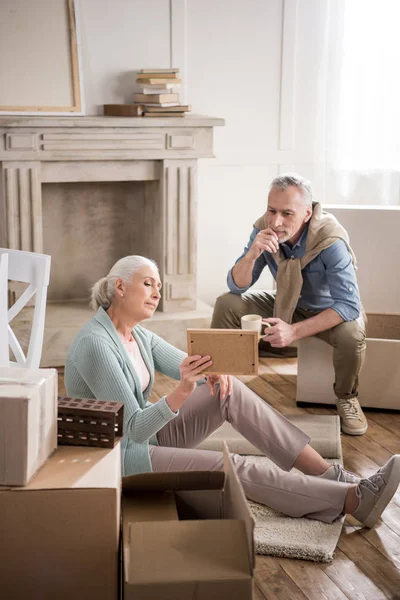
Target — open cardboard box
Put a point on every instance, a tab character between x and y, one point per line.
59	535
187	535
379	381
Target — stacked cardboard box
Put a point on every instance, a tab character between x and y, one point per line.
60	533
28	422
184	535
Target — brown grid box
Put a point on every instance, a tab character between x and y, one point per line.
87	422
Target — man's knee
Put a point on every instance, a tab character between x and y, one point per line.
227	311
349	336
228	301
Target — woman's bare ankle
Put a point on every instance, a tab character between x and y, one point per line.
310	462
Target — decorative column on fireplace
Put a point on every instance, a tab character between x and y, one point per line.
88	190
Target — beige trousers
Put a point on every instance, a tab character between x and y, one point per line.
347	339
294	494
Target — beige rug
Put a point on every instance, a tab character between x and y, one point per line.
324	431
276	534
279	535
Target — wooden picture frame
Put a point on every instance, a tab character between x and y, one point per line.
39	64
233	351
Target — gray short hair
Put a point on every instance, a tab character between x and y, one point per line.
102	293
304	186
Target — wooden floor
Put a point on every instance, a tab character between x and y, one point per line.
367	562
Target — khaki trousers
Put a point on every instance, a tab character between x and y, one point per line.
347	339
294	494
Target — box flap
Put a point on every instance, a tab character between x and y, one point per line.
77	467
182	551
235	504
199	504
188	480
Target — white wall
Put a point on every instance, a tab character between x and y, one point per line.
258	64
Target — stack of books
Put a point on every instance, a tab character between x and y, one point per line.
158	97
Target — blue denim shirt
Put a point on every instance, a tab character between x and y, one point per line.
329	281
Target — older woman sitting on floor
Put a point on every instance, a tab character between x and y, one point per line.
114	358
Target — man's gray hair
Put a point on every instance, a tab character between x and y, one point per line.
286	179
102	293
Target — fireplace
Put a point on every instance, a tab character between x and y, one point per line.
89	190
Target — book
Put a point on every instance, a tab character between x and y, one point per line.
158	104
173	70
150	91
157	89
153	81
164	114
152	75
123	110
168	97
176	108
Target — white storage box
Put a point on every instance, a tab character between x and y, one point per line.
28	422
379	381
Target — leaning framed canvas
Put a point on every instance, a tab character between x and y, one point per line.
233	351
39	57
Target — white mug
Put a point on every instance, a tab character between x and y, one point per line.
251	322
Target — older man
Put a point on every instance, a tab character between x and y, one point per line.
309	255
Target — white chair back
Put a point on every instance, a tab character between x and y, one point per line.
34	269
4	360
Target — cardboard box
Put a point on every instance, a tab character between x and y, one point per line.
207	554
60	534
376	246
379	381
28	422
149	506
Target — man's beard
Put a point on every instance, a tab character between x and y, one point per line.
284	238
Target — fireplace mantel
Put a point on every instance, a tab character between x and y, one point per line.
160	154
189	120
96	138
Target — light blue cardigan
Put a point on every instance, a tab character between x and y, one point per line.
98	366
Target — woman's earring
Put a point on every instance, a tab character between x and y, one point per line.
122	295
